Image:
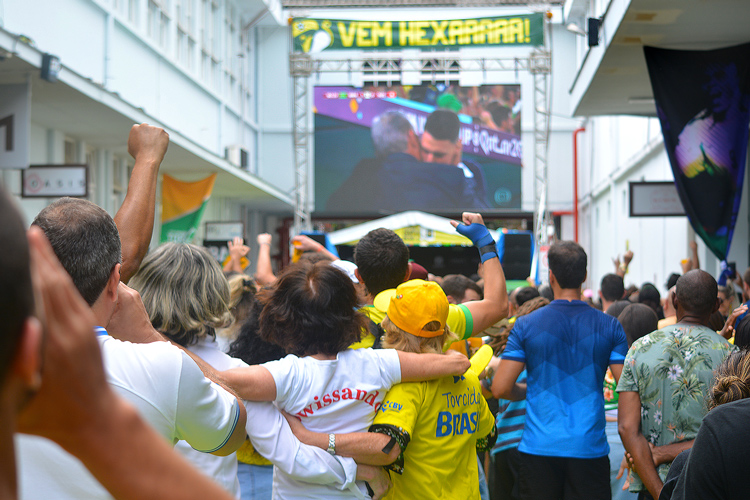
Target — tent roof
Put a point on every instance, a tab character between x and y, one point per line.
352	235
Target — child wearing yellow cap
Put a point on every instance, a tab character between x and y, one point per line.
438	425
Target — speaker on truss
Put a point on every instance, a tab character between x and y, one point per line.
593	31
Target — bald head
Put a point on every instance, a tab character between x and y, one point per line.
696	293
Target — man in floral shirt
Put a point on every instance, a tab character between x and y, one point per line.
666	377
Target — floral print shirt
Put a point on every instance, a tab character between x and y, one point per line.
672	371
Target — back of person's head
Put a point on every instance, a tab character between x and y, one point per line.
390	133
638	320
612	287
525	294
456	285
249	346
697	292
746	277
650	296
443	125
241	300
382	260
315	257
546	292
16	294
742	333
567	261
531	305
672	280
618	307
85	239
416	318
716	321
184	291
311	309
499	112
731	379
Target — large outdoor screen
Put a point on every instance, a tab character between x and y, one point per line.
378	150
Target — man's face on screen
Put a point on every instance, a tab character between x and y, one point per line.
445	152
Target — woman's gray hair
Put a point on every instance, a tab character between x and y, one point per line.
184	291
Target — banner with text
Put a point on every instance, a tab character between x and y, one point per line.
316	35
183	204
703	104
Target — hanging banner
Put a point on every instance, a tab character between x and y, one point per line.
183	204
315	35
703	104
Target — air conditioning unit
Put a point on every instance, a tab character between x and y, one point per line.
237	156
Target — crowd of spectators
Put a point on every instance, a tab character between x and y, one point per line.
165	374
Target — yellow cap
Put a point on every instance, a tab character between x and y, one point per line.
413	305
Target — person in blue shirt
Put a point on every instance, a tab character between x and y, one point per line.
565	348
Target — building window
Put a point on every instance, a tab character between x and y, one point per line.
157	27
186	33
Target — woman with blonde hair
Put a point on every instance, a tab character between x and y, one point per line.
187	299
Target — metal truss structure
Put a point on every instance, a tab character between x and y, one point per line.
432	66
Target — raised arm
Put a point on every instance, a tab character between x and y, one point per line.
237	250
419	367
263	269
494	306
135	218
307	244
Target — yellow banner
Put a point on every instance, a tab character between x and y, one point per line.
180	198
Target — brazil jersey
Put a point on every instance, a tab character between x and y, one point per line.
438	425
459	321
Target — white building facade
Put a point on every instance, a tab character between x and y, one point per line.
213	73
623	143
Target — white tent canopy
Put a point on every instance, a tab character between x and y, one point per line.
433	230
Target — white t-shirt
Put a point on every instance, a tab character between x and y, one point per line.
338	396
223	470
170	393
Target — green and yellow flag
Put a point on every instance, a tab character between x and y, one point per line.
183	204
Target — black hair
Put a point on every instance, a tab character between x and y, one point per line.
612	287
456	285
567	261
742	333
525	294
697	292
249	346
16	294
650	296
382	259
638	320
443	125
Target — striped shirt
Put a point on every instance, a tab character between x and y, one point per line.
510	421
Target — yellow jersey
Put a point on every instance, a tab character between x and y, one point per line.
438	424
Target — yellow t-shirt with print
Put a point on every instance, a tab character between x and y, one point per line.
443	419
459	321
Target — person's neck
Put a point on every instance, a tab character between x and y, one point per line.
568	294
606	304
687	318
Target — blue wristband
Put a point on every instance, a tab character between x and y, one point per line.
477	233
